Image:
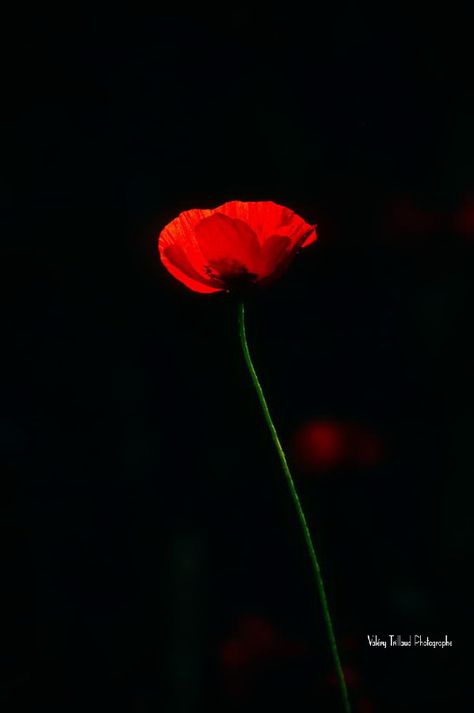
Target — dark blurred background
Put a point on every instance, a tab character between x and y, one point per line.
151	558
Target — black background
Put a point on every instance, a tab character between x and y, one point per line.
143	512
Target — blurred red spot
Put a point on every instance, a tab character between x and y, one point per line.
254	643
328	445
406	217
255	639
464	217
320	444
232	654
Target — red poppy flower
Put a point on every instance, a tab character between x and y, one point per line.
233	246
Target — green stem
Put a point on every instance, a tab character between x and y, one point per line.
297	503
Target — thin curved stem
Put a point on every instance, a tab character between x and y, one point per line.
299	509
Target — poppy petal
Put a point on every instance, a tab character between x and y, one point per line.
267	218
177	263
180	232
274	252
310	237
221	237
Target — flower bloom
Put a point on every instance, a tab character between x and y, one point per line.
233	246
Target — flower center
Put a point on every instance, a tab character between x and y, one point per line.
231	274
